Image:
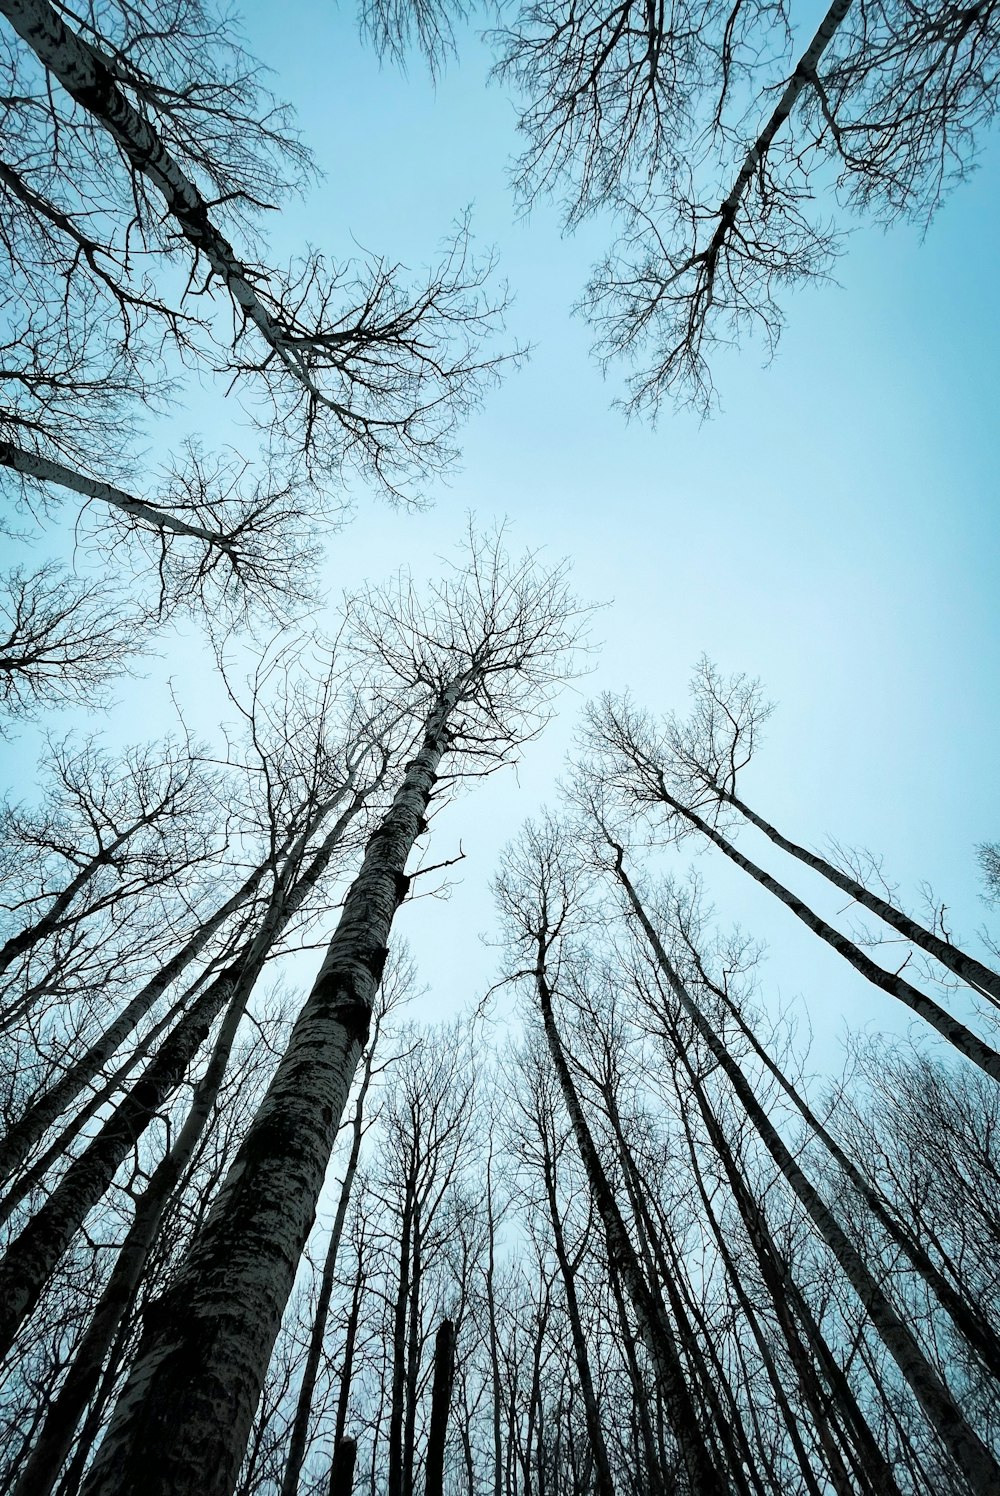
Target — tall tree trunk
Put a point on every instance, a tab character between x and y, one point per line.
666	1265
964	966
444	1376
796	1351
184	1416
31	1259
414	1350
350	1340
872	1471
704	1480
980	1335
918	1002
342	1470
491	1310
969	1452
53	1444
303	1406
397	1395
640	1401
604	1483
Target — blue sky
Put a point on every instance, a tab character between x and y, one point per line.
833	529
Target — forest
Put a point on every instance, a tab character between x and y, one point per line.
500	861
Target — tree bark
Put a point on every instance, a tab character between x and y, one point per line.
46	471
182	1420
444	1376
342	1470
303	1406
53	1444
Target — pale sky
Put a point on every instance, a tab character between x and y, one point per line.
833	530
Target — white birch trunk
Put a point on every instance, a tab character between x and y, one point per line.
964	966
88	80
918	1002
46	471
182	1421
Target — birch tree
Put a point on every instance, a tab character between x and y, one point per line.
62	641
396	988
482	655
639	764
970	1453
355	365
711	129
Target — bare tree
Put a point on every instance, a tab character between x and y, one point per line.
536	1103
638	761
65	640
708	750
538	895
711	140
106	830
354	365
483	655
968	1450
